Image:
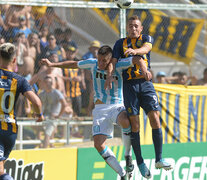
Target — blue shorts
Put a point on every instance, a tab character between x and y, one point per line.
7	142
139	93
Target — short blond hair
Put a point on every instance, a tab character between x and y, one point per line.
134	17
7	51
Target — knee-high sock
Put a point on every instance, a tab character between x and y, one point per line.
111	160
157	140
135	140
127	140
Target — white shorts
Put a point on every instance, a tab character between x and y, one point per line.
104	115
49	127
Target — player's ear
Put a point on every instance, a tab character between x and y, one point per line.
14	60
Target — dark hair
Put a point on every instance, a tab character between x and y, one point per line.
7	51
205	70
68	31
104	50
132	18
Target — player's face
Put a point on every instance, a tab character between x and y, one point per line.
103	61
134	28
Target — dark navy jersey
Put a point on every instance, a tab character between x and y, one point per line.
11	85
123	44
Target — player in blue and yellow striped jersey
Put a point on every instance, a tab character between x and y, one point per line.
11	85
138	91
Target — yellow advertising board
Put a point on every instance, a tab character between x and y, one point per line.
183	114
43	164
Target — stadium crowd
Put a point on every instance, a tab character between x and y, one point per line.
37	33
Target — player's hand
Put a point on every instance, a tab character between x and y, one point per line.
45	62
108	83
130	51
147	75
40	118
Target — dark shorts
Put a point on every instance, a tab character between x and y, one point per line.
139	93
7	142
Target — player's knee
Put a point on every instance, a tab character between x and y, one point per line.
6	177
134	120
123	120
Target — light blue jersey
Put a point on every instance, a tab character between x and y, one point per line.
114	95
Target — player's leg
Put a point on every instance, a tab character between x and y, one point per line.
107	154
135	140
123	121
132	105
157	140
5	149
150	105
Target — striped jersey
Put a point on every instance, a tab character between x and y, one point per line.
114	95
11	85
123	44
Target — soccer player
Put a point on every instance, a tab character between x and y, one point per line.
138	91
109	107
11	85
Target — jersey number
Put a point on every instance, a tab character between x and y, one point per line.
7	95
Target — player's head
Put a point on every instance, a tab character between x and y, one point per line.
104	57
7	52
134	27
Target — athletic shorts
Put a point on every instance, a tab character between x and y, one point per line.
139	93
49	127
104	116
7	142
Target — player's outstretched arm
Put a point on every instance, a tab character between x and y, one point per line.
140	61
36	103
64	64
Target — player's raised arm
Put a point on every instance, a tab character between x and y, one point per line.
110	70
64	64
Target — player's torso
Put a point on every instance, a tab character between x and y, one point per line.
112	96
125	43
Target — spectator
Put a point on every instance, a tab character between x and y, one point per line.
93	50
53	48
43	37
22	27
54	73
54	105
12	19
34	46
37	12
59	35
51	19
2	40
3	10
73	79
203	81
22	48
67	41
161	77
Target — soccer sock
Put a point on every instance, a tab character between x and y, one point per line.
157	140
6	177
111	160
127	140
135	140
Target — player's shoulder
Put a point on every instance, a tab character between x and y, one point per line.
147	37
